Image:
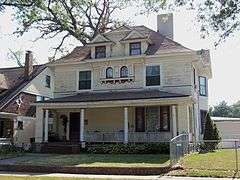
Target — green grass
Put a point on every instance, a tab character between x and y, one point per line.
220	163
41	178
10	155
100	160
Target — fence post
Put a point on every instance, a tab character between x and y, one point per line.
236	155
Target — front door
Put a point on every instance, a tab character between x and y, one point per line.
74	133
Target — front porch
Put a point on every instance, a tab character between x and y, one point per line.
134	124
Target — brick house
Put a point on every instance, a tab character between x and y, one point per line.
19	88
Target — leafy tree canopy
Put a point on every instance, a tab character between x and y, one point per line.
83	19
225	110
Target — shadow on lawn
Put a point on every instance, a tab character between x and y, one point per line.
88	159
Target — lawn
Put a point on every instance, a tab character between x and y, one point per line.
97	160
220	163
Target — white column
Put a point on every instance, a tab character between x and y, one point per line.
39	125
46	126
174	120
125	125
82	125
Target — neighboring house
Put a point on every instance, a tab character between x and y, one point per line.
131	84
19	88
229	129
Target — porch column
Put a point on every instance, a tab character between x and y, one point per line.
46	126
82	126
39	125
174	120
125	125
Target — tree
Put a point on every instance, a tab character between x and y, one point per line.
81	19
220	16
211	135
222	110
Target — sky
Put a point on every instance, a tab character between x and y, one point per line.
224	58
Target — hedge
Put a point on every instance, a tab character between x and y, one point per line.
146	148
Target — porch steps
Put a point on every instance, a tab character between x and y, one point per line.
61	148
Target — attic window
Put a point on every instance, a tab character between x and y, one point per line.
135	48
100	52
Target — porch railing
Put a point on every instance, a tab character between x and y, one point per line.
132	136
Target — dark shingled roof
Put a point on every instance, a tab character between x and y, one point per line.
114	95
12	80
160	44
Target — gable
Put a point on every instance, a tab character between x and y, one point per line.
100	39
134	35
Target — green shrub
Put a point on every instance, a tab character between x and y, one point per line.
211	136
146	148
9	149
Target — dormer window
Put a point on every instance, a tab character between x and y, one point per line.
109	73
100	52
135	48
124	72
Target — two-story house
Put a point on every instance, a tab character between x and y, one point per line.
19	88
131	84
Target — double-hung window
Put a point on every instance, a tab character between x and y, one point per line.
84	80
153	75
202	86
135	48
48	81
100	52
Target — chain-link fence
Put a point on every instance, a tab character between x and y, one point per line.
207	155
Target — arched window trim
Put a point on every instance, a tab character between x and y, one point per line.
111	72
124	72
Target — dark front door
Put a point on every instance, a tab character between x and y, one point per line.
74	127
140	119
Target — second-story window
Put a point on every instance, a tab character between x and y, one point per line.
109	72
135	48
153	75
202	86
124	72
48	81
84	80
100	52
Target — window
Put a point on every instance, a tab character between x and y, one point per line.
124	72
203	114
84	80
135	48
109	72
48	81
152	119
20	125
164	118
100	52
39	98
152	75
202	86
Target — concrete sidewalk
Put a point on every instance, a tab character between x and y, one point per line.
114	177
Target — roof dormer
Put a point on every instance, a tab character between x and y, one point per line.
100	47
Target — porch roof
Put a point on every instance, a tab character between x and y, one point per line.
115	95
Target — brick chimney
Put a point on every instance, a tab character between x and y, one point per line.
165	25
28	64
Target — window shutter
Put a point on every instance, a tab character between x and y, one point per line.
130	68
116	71
102	73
